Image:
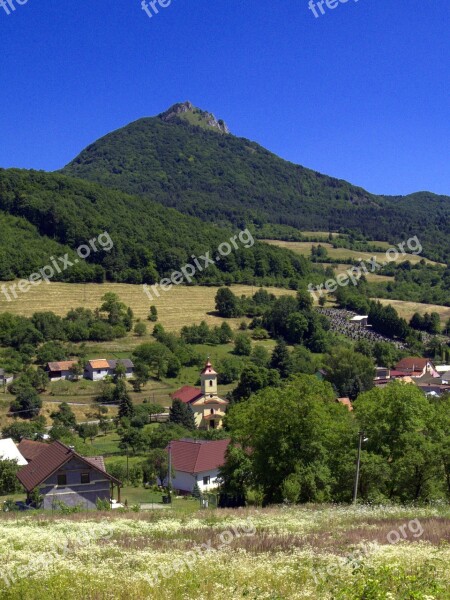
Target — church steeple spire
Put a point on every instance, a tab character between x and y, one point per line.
208	378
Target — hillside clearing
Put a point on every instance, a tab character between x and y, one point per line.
304	248
407	309
180	306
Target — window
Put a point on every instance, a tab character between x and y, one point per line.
206	480
85	478
62	479
210	383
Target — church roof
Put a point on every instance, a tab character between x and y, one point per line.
209	369
187	394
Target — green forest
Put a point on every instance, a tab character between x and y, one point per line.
229	180
44	215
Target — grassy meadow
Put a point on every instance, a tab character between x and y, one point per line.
182	305
407	309
304	248
278	553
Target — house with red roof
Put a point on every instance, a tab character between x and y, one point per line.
197	462
414	367
61	475
209	408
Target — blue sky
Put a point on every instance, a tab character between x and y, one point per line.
361	93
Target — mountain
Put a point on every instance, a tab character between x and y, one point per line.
44	215
186	159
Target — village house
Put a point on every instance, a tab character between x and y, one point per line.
58	371
97	369
125	362
208	407
414	367
197	462
61	475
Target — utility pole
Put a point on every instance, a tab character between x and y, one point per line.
358	466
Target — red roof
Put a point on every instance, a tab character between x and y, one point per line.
405	373
412	364
187	394
197	456
50	460
30	450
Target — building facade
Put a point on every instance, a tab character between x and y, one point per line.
208	407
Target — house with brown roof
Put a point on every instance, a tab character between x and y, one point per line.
197	462
61	475
414	367
61	370
30	449
209	408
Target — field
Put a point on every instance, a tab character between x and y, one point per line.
279	553
407	309
304	248
180	306
343	267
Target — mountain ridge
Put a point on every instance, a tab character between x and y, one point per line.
231	180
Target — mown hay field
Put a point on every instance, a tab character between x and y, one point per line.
182	305
407	309
304	248
280	553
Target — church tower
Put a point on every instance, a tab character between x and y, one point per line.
208	378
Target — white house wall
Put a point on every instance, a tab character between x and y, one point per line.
186	481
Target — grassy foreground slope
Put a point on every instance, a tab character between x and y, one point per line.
299	553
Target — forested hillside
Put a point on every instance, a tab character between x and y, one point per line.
44	215
225	179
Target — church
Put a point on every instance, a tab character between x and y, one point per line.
209	409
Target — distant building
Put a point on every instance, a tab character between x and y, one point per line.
126	362
382	373
62	475
9	451
209	409
414	367
97	369
361	320
197	461
61	370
